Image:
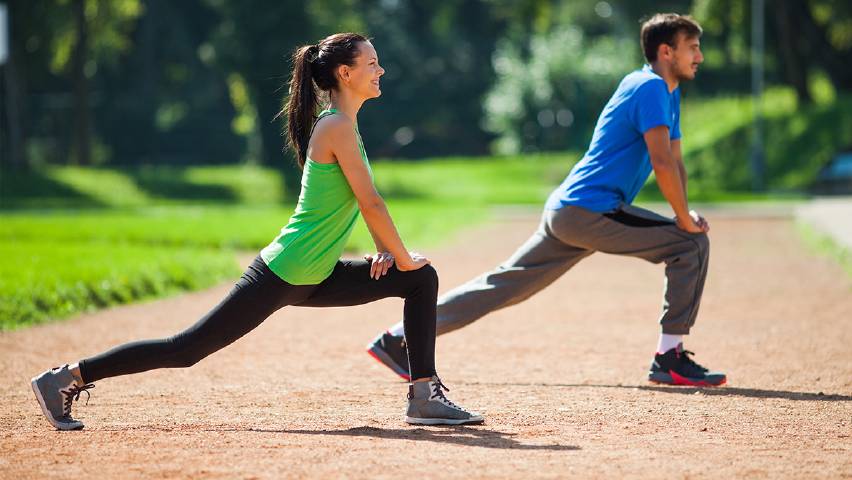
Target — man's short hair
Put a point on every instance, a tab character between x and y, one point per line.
662	28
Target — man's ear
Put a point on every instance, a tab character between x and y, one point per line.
665	51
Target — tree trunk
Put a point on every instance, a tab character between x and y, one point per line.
795	64
149	27
82	108
838	65
14	158
145	102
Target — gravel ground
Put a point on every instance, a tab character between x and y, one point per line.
560	378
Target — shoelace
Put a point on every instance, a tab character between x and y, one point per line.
688	363
439	388
73	394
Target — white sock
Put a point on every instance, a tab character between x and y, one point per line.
397	330
668	342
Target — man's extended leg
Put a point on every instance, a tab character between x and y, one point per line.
535	265
541	260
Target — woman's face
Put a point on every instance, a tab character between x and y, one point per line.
363	77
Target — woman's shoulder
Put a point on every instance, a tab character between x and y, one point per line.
329	133
333	122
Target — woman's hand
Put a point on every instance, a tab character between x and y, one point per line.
415	262
382	261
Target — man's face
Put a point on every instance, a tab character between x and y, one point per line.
686	57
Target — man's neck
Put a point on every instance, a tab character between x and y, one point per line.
664	71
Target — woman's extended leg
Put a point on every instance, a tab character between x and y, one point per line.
257	294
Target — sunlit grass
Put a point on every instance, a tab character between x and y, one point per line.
56	279
164	230
59	262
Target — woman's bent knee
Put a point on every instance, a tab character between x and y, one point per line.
424	278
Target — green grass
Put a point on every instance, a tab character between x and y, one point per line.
74	239
824	246
153	232
44	280
798	140
77	187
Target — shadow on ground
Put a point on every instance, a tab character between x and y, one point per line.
710	391
459	435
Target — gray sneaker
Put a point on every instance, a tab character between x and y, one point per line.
427	405
55	390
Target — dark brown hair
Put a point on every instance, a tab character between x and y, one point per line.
662	28
315	68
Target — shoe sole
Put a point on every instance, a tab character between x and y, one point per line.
385	360
443	421
60	425
675	379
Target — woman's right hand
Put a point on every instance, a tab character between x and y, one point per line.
415	262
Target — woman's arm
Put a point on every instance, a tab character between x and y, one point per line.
336	136
382	260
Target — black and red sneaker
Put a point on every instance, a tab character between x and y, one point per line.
674	367
392	352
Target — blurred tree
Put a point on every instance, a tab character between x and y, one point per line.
804	38
168	104
82	108
814	33
57	46
437	59
558	65
199	81
252	47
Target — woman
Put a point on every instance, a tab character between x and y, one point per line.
302	266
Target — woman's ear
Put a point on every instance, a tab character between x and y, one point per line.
343	71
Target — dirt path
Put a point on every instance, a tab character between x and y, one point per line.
561	379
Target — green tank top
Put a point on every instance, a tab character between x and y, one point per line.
309	246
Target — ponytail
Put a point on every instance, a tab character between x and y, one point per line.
302	107
315	68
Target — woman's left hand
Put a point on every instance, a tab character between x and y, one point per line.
381	263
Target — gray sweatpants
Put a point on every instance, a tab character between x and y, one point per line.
572	233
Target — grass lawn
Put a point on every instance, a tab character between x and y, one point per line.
132	242
75	239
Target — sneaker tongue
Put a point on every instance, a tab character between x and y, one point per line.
680	347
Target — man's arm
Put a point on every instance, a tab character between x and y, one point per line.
676	152
671	175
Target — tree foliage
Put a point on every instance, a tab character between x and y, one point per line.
199	81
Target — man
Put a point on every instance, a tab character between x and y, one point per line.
637	132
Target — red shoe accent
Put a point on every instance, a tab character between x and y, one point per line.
678	380
406	377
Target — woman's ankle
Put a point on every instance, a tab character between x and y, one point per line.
75	372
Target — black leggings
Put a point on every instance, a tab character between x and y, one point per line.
259	293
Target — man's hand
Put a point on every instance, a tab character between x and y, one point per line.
695	223
381	263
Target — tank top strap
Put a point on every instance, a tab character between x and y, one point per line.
324	113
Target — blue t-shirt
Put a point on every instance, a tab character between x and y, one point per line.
617	163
